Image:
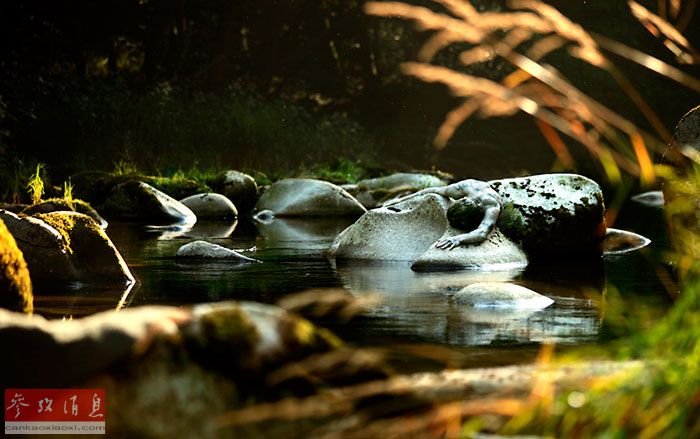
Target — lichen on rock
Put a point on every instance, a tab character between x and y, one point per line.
15	283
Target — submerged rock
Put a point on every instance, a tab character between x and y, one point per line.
375	191
621	241
61	204
135	200
553	215
207	250
238	187
15	283
67	246
307	197
495	253
650	199
501	295
211	206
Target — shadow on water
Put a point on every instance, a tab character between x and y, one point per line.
415	309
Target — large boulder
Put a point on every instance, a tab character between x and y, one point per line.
401	232
307	197
495	253
67	246
211	206
238	187
202	250
15	283
375	191
61	204
135	200
553	215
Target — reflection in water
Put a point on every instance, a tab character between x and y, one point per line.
302	233
419	305
78	299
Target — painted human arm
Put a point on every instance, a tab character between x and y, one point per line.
493	209
431	190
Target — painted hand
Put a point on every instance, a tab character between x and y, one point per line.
447	243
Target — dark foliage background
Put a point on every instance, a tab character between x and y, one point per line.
267	84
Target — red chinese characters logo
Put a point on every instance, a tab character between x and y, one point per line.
54	405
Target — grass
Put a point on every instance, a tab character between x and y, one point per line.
35	186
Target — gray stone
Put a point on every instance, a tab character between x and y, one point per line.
135	200
495	253
211	206
500	295
401	232
686	135
375	191
553	215
67	246
307	197
207	250
238	187
621	241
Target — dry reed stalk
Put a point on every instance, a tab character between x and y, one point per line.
524	35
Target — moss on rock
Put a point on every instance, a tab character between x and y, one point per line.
15	284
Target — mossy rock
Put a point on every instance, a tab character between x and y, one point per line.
249	339
553	215
15	283
92	253
135	200
96	186
67	247
62	204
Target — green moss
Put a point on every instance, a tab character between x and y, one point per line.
309	335
510	221
63	224
230	327
15	283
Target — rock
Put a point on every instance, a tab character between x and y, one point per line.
242	339
687	132
211	206
207	250
496	253
553	215
14	208
401	232
55	353
15	283
61	204
96	186
650	199
621	241
67	246
306	197
135	200
238	187
239	340
375	191
501	295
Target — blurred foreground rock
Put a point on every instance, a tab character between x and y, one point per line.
15	283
